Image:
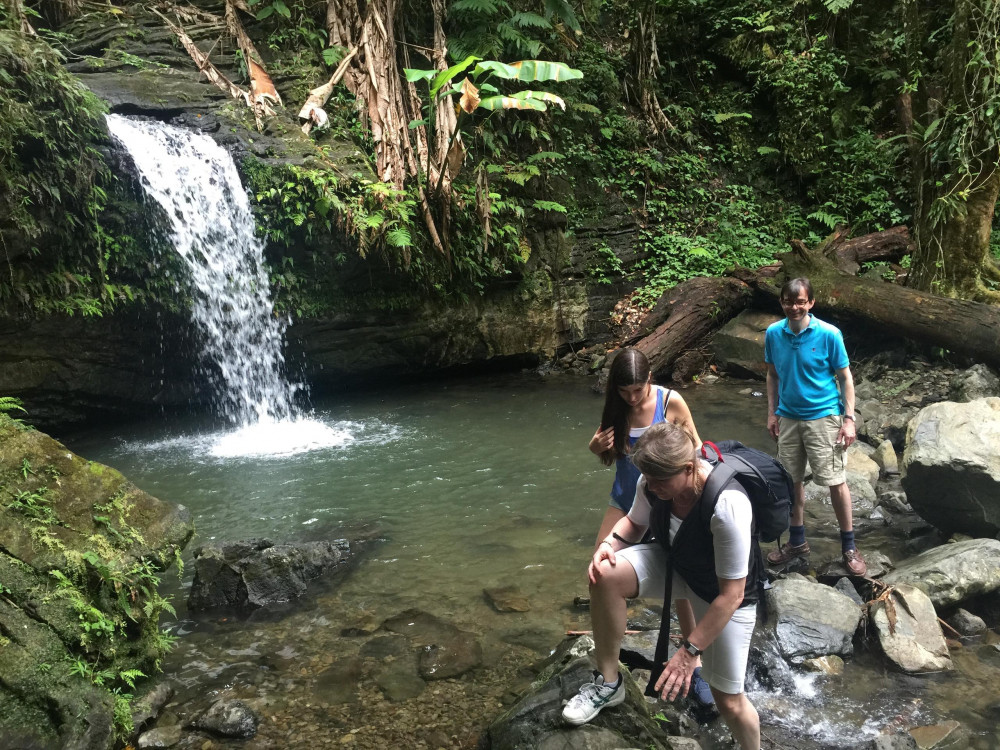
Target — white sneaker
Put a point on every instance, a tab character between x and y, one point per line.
593	696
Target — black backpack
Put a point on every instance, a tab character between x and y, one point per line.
762	477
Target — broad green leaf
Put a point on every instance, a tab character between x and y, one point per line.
545	70
265	13
446	75
509	102
499	69
415	124
281	8
415	74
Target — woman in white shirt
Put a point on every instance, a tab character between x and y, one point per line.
713	585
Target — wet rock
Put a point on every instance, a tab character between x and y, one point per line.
539	640
885	457
899	741
979	381
338	683
766	666
638	649
160	737
536	719
810	619
819	509
834	570
257	573
883	422
738	347
364	624
966	623
147	707
909	633
829	664
451	657
895	501
947	734
228	718
507	599
858	462
386	647
951	573
845	587
400	682
951	469
683	743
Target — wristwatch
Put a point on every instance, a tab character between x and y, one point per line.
691	648
849	416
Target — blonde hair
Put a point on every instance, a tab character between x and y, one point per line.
664	450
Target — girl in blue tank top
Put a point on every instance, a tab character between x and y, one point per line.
631	404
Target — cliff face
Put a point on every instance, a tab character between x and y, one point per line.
140	358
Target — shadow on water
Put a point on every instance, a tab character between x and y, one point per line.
469	485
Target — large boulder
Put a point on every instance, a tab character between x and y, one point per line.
739	345
952	573
809	619
979	381
951	467
256	573
907	629
535	720
83	549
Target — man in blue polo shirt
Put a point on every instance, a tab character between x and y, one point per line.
810	417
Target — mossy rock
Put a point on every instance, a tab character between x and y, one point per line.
83	550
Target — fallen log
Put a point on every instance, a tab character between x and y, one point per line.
960	326
684	317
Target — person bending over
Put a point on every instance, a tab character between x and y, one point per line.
714	577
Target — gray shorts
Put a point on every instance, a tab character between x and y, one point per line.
814	440
724	663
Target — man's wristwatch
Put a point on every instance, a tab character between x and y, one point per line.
691	648
850	417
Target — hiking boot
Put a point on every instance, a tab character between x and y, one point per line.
593	696
787	552
700	692
855	563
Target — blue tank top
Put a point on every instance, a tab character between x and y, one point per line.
626	475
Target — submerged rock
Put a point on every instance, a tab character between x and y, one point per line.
507	599
535	720
951	573
257	573
951	468
809	619
908	631
966	623
228	718
444	650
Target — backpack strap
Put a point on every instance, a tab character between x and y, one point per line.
722	474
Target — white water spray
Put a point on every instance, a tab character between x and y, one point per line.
196	184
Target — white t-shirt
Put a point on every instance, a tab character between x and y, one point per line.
731	524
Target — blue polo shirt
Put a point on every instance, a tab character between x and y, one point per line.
807	365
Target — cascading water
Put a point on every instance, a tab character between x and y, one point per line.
196	183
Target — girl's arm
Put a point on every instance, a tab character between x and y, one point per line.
602	441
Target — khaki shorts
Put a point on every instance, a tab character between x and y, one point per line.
814	440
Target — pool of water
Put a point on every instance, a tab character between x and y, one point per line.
469	485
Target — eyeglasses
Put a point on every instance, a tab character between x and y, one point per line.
801	302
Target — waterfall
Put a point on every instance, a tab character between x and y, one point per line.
195	181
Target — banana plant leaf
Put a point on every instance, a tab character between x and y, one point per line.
545	70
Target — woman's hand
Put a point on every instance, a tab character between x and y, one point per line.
604	551
602	441
675	680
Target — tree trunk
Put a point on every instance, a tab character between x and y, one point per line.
689	313
961	326
646	63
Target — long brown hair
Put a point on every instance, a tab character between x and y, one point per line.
629	367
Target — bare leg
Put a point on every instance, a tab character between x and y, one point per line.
741	718
611	516
608	615
798	514
840	496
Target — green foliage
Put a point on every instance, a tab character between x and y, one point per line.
497	28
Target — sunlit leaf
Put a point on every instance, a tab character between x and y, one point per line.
545	70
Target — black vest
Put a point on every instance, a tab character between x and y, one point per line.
692	554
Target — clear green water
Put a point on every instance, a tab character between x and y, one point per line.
470	485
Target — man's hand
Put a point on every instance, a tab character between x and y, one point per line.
847	434
772	425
